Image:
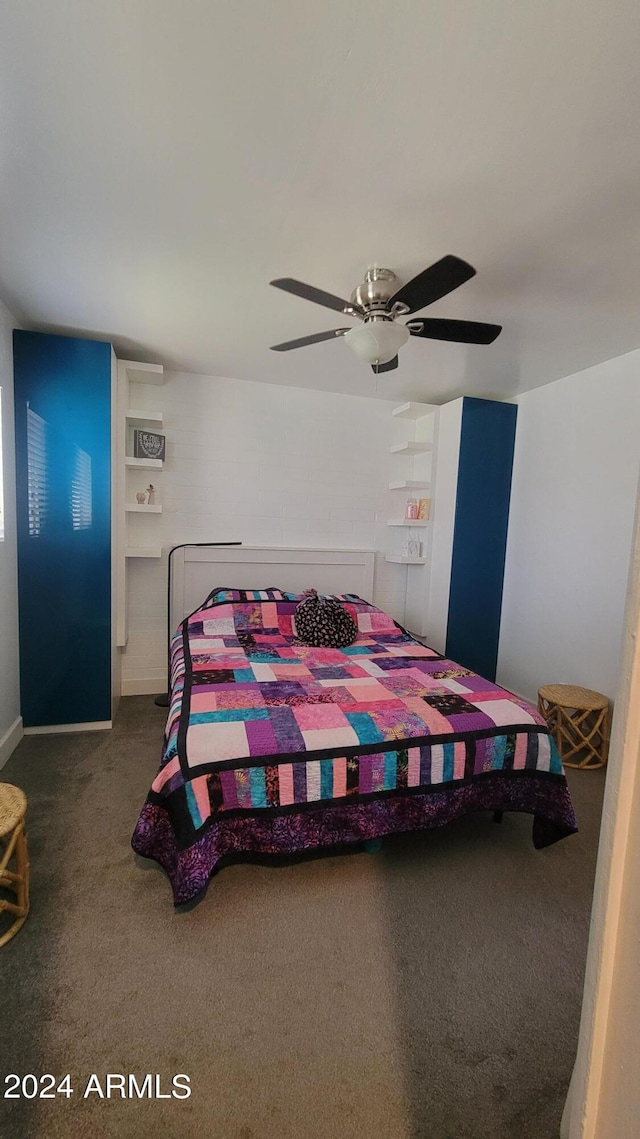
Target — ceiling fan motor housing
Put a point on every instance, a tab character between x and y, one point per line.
375	292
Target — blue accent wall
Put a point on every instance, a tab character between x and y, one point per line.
485	465
63	476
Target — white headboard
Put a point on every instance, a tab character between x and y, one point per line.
196	570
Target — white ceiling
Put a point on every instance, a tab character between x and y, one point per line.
162	160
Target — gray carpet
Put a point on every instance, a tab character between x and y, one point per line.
431	991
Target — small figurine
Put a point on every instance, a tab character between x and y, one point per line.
151	494
141	497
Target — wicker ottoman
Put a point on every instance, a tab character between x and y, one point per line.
579	722
13	845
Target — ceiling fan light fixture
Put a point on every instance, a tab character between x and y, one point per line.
377	341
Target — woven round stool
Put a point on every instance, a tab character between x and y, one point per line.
578	719
13	844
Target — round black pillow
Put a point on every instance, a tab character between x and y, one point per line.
321	621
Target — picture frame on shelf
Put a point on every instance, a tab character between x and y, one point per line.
148	444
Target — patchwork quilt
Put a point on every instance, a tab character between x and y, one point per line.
273	747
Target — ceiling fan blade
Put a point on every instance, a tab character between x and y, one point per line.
435	282
304	340
390	366
460	331
309	293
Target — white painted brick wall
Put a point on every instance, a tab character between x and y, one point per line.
263	464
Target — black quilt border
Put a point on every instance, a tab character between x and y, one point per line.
176	805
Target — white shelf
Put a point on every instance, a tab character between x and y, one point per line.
408	522
409	484
155	464
139	373
411	448
135	416
143	552
142	508
405	560
412	410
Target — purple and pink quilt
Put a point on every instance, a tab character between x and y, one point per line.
273	747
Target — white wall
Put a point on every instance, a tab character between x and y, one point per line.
576	464
10	721
604	1096
264	465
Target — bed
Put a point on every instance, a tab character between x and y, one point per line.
274	748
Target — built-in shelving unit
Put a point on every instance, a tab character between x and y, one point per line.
412	450
138	538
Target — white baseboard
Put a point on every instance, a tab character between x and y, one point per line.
56	729
10	740
142	687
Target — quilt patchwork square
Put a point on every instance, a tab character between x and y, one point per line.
321	739
317	716
225	740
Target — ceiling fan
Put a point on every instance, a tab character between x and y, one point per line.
378	302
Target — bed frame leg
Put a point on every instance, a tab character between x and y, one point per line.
372	845
498	816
